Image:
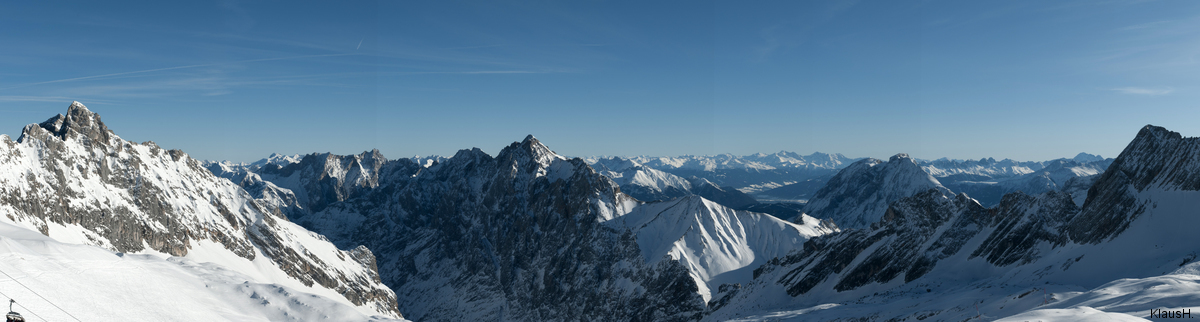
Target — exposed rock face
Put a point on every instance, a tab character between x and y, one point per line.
323	179
902	242
1155	159
1022	222
860	194
1078	188
519	236
919	231
72	178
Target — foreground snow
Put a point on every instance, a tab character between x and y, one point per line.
93	284
1131	299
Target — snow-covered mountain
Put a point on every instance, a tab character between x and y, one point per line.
748	174
982	168
74	180
860	194
648	184
530	235
990	169
1128	249
276	159
641	182
718	245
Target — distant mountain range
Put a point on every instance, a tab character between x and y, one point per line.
761	182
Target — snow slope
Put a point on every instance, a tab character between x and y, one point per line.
1131	299
93	284
718	245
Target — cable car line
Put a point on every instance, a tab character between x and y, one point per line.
38	295
22	306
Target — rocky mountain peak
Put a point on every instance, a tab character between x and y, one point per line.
529	154
900	156
1155	133
1155	159
535	148
371	160
79	123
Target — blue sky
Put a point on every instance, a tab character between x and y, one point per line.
1028	80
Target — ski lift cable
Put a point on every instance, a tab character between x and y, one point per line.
39	295
25	308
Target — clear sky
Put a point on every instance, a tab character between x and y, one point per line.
1028	80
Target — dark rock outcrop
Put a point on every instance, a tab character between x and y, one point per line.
518	236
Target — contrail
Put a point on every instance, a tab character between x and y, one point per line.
171	68
359	43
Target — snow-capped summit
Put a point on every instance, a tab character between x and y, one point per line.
533	149
530	154
859	194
